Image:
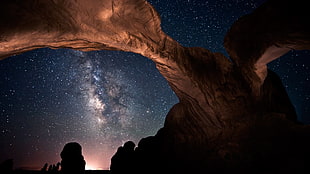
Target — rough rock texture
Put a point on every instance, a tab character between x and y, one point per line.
232	116
270	31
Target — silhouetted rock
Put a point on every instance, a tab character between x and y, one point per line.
233	116
124	160
72	160
44	168
6	166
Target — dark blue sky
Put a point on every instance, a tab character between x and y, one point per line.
103	98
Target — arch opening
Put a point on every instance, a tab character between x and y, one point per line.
100	99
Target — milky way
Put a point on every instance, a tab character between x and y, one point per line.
103	98
99	99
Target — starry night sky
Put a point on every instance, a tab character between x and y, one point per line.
102	99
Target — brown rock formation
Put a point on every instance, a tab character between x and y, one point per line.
232	116
269	32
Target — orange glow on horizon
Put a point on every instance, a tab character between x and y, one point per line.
95	165
96	160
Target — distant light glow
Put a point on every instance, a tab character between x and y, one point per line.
90	167
93	166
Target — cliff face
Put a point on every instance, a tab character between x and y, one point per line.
231	116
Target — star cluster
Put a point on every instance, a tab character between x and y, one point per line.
103	98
